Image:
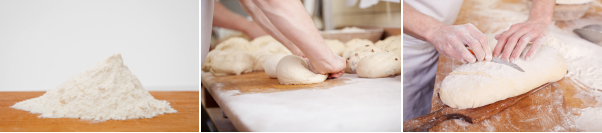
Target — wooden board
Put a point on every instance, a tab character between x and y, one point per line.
549	109
186	119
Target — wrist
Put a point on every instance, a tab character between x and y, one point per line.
429	35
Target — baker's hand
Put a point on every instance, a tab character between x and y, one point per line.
512	42
450	40
335	67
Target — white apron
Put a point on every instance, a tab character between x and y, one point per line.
420	58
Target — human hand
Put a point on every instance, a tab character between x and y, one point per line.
334	68
450	40
512	42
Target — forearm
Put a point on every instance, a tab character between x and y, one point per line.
417	24
291	19
222	17
542	10
267	26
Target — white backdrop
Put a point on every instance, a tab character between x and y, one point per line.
45	42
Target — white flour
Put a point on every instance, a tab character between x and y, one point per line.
590	119
106	91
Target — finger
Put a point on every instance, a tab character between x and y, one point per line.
463	52
520	46
476	48
536	43
449	51
336	75
482	39
501	41
511	44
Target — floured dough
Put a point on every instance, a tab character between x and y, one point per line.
292	70
378	65
271	63
335	46
260	58
478	84
231	62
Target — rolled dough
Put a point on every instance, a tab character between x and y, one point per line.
478	84
293	70
271	63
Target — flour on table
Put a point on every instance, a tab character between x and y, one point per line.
590	119
107	91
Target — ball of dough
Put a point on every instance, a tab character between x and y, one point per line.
358	54
231	62
271	63
335	46
353	44
236	44
378	65
292	70
263	40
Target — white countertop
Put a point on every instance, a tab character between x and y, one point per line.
362	105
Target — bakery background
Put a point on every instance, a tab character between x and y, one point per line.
249	100
44	43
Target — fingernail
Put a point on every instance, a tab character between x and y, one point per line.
499	56
528	58
512	59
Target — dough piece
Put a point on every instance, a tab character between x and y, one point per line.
271	63
378	65
275	47
293	70
236	44
263	41
231	62
260	58
478	84
358	54
207	65
335	46
354	44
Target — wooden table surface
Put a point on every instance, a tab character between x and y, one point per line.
186	119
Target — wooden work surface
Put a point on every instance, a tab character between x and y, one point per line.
186	119
553	108
254	102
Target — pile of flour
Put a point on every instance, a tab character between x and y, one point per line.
108	90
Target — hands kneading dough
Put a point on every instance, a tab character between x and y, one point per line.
293	70
478	84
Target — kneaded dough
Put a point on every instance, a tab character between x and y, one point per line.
231	62
260	58
293	70
357	55
353	44
478	84
378	65
335	46
262	41
271	63
236	44
207	65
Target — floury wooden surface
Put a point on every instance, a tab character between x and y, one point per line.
186	119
